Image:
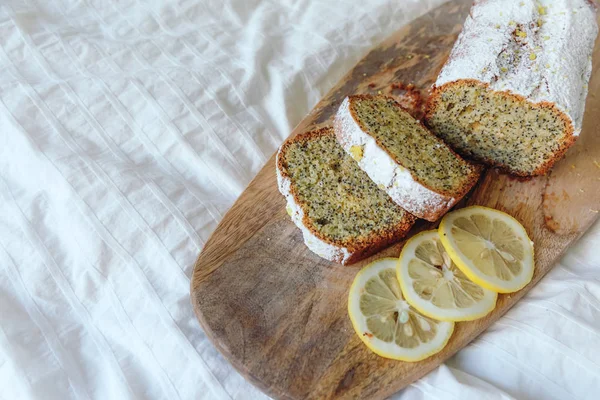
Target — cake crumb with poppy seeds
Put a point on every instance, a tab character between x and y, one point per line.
412	165
343	216
516	102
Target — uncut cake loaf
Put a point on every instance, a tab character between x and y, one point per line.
512	93
343	216
415	168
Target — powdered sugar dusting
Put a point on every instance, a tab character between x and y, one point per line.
316	245
396	180
538	49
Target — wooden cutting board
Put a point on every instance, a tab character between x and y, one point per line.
277	312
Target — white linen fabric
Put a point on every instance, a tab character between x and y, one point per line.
128	128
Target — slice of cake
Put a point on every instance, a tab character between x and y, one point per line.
512	93
416	169
343	216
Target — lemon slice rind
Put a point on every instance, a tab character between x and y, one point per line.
470	269
481	308
378	346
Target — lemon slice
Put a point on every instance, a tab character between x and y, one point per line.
386	323
490	247
435	286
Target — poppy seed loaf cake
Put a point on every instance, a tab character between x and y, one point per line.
343	216
512	93
416	169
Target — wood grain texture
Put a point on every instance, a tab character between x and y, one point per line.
278	312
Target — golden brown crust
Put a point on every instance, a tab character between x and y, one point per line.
458	192
360	248
568	141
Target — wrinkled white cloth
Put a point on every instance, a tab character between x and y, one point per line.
127	129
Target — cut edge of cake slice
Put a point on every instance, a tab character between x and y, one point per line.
389	174
327	247
466	137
